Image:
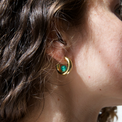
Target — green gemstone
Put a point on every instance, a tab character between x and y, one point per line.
63	68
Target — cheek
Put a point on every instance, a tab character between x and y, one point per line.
108	41
110	52
91	67
99	61
100	69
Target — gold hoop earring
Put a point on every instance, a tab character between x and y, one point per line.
64	70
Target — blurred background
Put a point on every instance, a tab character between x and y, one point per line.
119	113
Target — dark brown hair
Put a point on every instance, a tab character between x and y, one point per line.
24	29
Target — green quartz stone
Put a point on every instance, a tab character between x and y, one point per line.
63	68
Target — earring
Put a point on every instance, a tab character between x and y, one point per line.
65	70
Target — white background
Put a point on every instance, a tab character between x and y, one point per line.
119	113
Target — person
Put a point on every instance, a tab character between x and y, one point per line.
60	60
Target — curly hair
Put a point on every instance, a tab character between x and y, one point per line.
24	29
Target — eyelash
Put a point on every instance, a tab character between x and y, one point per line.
118	11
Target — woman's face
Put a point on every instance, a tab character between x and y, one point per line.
98	52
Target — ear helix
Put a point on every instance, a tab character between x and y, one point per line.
65	70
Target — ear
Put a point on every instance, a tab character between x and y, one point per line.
58	46
57	51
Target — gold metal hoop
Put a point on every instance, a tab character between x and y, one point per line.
69	67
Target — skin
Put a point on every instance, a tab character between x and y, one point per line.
96	78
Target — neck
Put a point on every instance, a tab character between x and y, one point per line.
65	105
